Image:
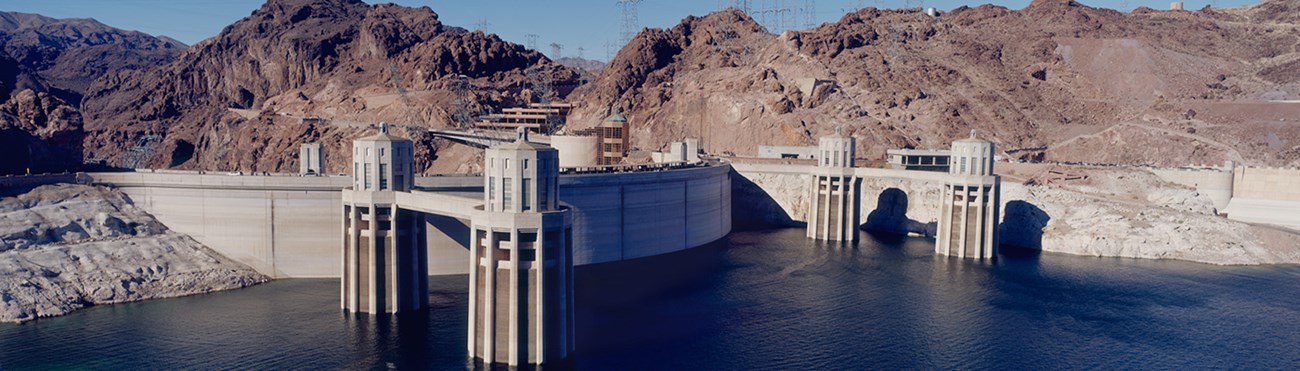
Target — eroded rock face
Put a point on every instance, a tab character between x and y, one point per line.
39	133
239	96
70	53
1057	77
46	65
65	247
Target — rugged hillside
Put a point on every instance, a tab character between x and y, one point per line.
235	101
1056	80
68	54
46	65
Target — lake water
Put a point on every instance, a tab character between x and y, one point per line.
756	300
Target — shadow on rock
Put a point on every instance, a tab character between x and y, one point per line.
1021	231
890	216
753	208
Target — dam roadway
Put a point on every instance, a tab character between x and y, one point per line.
288	226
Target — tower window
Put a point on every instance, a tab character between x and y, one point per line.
383	177
527	184
366	169
508	197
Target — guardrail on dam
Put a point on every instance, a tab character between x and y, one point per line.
288	226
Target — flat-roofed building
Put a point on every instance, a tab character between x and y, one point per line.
536	117
919	159
788	152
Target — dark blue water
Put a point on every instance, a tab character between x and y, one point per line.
758	300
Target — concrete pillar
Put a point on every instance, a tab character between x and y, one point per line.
970	204
388	272
537	320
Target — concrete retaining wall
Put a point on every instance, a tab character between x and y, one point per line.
1266	196
282	226
288	226
627	216
31	181
894	201
1267	183
1217	184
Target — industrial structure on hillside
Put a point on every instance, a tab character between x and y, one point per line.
541	118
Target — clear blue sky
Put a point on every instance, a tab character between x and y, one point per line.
590	24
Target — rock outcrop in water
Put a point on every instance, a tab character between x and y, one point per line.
65	247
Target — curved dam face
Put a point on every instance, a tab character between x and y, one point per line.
288	226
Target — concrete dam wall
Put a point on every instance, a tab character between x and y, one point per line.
287	226
894	201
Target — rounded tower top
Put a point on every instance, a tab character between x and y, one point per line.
971	156
837	150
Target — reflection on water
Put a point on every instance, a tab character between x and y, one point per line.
764	299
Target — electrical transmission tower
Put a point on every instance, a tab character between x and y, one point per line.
609	51
631	19
530	40
777	16
580	51
743	5
557	50
482	25
461	118
809	11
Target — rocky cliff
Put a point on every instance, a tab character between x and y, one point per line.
46	65
1057	80
237	101
65	247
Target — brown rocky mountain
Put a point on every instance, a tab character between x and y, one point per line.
237	101
1056	80
68	54
45	66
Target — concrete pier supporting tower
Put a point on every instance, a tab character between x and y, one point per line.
968	221
385	268
521	257
833	215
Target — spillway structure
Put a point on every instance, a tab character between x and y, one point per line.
384	262
521	256
835	209
968	220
